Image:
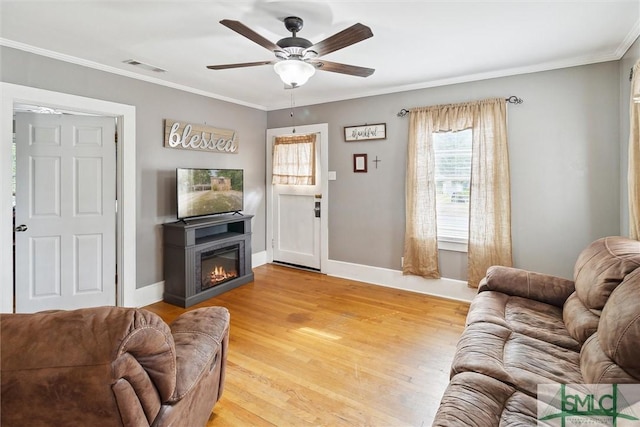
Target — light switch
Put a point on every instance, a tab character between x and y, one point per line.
332	175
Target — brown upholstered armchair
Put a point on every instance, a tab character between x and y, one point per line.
111	366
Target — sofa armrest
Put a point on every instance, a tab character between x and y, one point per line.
527	284
201	337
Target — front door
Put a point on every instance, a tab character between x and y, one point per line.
65	215
297	221
296	229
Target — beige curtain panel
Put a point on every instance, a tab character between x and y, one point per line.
634	156
490	199
294	160
490	204
421	240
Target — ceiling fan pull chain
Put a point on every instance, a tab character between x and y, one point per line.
293	122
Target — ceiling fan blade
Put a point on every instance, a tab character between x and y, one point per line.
243	30
354	34
240	65
336	67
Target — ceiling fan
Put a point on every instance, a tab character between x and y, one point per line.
297	58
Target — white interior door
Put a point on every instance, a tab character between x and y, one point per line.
297	220
65	203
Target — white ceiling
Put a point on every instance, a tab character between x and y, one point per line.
416	44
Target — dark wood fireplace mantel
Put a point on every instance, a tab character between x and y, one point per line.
185	245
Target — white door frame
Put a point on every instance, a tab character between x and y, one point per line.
125	172
323	130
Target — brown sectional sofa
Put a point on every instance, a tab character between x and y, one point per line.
524	329
111	366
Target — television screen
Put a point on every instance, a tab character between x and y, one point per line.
202	192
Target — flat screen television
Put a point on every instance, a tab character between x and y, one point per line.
204	192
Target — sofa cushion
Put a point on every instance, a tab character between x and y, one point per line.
477	400
602	266
528	317
598	368
527	284
514	358
526	329
611	354
580	322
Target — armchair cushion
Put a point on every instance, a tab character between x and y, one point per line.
198	334
111	366
67	361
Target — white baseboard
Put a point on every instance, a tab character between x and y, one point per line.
259	259
446	288
149	294
153	293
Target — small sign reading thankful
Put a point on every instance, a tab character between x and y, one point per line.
365	132
190	136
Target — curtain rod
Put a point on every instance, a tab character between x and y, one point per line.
511	100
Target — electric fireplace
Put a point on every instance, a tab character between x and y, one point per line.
218	266
206	257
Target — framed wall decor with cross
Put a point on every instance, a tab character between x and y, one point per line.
360	163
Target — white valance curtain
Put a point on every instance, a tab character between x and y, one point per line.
490	200
294	160
633	173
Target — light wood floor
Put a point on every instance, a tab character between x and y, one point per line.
309	349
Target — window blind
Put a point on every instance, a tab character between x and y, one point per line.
452	152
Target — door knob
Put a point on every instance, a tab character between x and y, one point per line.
316	210
20	228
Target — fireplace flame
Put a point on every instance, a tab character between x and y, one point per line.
219	274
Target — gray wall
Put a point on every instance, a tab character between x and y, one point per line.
567	142
564	159
155	165
626	64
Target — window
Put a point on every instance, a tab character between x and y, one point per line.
434	222
452	153
294	160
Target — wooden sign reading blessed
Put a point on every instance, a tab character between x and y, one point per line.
190	136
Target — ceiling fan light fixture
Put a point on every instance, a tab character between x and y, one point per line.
294	72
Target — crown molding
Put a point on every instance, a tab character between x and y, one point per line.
547	66
109	69
617	54
632	36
